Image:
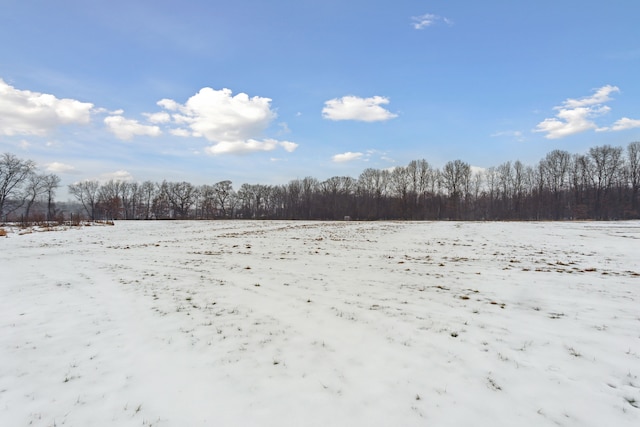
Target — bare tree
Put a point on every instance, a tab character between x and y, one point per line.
518	185
505	183
580	185
34	187
401	185
293	198
456	176
606	162
109	200
491	185
130	197
245	198
374	184
86	192
182	196
309	189
161	205
51	183
13	174
223	192
555	171
633	154
426	179
147	194
206	201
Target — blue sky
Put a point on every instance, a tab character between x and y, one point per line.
269	91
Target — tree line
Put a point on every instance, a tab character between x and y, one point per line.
601	184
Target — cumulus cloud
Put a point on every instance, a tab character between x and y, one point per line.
427	20
234	123
355	108
570	121
23	112
126	129
346	157
57	167
577	115
624	124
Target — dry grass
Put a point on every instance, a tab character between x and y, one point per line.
3	232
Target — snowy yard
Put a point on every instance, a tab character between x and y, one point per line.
321	324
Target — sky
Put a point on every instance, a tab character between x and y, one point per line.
266	92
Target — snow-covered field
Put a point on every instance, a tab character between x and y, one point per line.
321	324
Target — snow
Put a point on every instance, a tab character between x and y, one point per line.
321	323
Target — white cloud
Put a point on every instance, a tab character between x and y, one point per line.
288	146
240	147
126	129
249	146
161	117
346	157
355	108
57	167
600	97
23	112
625	123
515	134
180	132
427	20
168	104
219	116
569	122
120	175
101	110
234	123
577	115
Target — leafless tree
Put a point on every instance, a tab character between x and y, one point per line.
147	194
182	196
633	158
555	171
86	192
373	184
401	185
580	185
130	196
505	185
51	184
161	205
309	189
34	187
223	192
14	172
109	199
606	163
293	199
456	177
207	202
